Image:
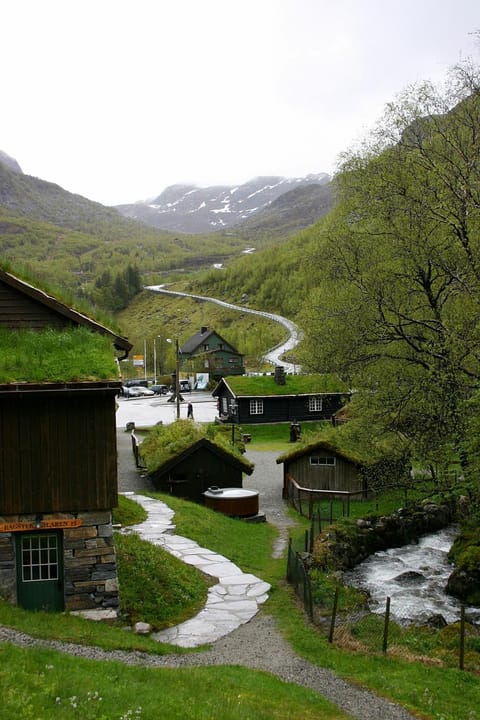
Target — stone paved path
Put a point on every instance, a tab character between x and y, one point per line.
234	600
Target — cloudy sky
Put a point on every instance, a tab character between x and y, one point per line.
116	100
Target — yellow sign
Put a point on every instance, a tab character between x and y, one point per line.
42	525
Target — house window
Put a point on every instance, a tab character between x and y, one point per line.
256	407
224	406
322	460
205	347
314	404
39	557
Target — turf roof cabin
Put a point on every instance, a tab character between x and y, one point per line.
182	461
279	398
208	352
58	457
322	466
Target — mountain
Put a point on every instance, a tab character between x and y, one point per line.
10	162
191	209
288	214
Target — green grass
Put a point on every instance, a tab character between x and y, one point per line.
38	684
276	437
442	693
56	356
156	587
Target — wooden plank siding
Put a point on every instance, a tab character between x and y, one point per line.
193	475
288	408
58	451
18	311
343	475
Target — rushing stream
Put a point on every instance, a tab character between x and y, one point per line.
414	577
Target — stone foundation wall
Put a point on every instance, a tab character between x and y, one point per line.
90	568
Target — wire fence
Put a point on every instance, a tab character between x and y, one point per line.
454	645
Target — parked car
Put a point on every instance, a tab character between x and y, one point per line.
135	382
137	391
159	389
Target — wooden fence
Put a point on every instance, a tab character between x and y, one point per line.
304	500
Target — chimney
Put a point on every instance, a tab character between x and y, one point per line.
280	375
203	330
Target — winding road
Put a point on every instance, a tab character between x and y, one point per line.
272	356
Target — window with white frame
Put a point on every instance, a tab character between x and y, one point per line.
322	460
314	404
256	407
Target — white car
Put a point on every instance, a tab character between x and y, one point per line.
137	391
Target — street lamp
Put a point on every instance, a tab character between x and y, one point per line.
177	376
155	358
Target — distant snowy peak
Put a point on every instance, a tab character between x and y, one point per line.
191	209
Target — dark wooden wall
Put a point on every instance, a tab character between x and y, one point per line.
288	409
196	473
19	311
58	451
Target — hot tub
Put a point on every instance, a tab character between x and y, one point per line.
235	502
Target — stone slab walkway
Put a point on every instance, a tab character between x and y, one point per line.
233	601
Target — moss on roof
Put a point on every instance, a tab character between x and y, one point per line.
311	446
164	443
263	385
73	355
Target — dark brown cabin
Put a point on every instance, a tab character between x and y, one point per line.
200	466
58	471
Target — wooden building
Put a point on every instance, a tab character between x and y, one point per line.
322	466
202	465
279	398
58	462
208	352
182	461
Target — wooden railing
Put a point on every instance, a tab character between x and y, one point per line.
304	499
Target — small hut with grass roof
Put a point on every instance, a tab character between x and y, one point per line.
186	459
59	377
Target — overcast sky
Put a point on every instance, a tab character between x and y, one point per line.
116	100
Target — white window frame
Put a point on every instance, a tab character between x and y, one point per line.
256	406
323	460
314	403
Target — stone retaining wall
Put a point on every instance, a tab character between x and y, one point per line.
343	546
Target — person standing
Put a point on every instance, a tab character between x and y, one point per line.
190	411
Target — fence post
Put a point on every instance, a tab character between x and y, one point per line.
385	627
307	540
334	615
312	534
462	638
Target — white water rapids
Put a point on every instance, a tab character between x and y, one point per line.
414	577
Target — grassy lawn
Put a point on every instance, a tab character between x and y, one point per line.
34	678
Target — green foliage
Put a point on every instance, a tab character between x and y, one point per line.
55	356
155	586
165	442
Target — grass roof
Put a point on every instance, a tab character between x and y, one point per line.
262	385
167	442
72	355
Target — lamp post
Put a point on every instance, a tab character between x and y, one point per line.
154	362
177	375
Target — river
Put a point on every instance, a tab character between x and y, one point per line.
414	577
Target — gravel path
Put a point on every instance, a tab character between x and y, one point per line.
257	644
